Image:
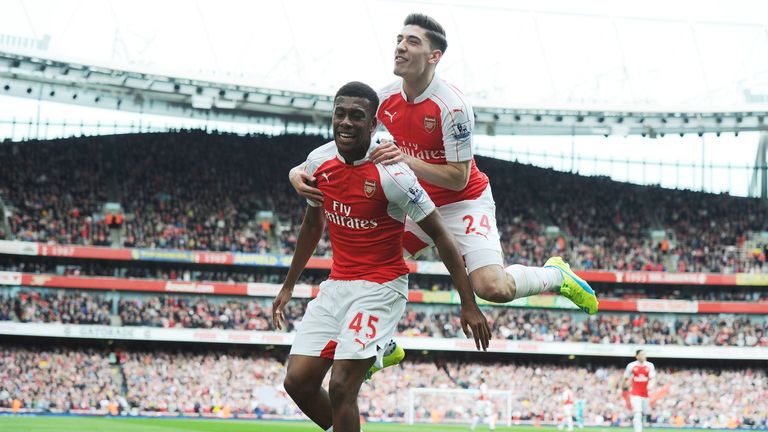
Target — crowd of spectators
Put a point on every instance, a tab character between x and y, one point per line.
233	313
203	312
171	382
193	190
604	224
66	307
605	328
314	277
185	190
56	379
686	397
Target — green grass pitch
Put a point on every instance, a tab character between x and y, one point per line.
101	424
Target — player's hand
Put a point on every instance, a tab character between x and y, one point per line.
387	153
304	184
282	299
472	319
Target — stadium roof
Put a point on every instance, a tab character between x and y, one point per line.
150	93
590	55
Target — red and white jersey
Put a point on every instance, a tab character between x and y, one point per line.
436	128
640	373
365	207
567	397
483	392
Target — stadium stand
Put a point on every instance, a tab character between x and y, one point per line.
63	379
199	191
419	320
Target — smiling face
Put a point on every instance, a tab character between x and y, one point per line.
414	54
354	121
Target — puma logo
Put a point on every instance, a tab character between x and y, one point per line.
325	176
391	116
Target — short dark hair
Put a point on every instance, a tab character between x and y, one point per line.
361	90
435	32
638	352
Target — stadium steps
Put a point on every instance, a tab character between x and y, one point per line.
754	241
115	321
119	376
5	214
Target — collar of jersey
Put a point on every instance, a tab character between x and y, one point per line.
425	95
365	158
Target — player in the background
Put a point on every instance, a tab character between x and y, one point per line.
432	124
580	409
566	397
640	374
484	408
359	306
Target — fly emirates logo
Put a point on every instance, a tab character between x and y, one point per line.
340	215
413	150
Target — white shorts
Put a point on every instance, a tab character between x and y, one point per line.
568	410
472	223
349	319
483	408
639	404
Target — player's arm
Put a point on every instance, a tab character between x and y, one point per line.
651	377
402	188
624	381
304	183
309	235
471	316
453	175
301	176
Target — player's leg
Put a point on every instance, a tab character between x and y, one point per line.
371	313
492	421
304	384
346	378
569	418
637	412
475	421
496	284
311	356
473	224
387	352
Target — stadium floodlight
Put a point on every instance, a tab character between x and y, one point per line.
224	103
303	103
137	83
202	102
163	86
280	100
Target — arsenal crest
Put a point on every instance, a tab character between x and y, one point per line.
430	123
369	187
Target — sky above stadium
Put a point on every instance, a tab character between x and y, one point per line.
697	55
655	54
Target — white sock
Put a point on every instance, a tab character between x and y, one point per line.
534	280
330	429
637	422
475	421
